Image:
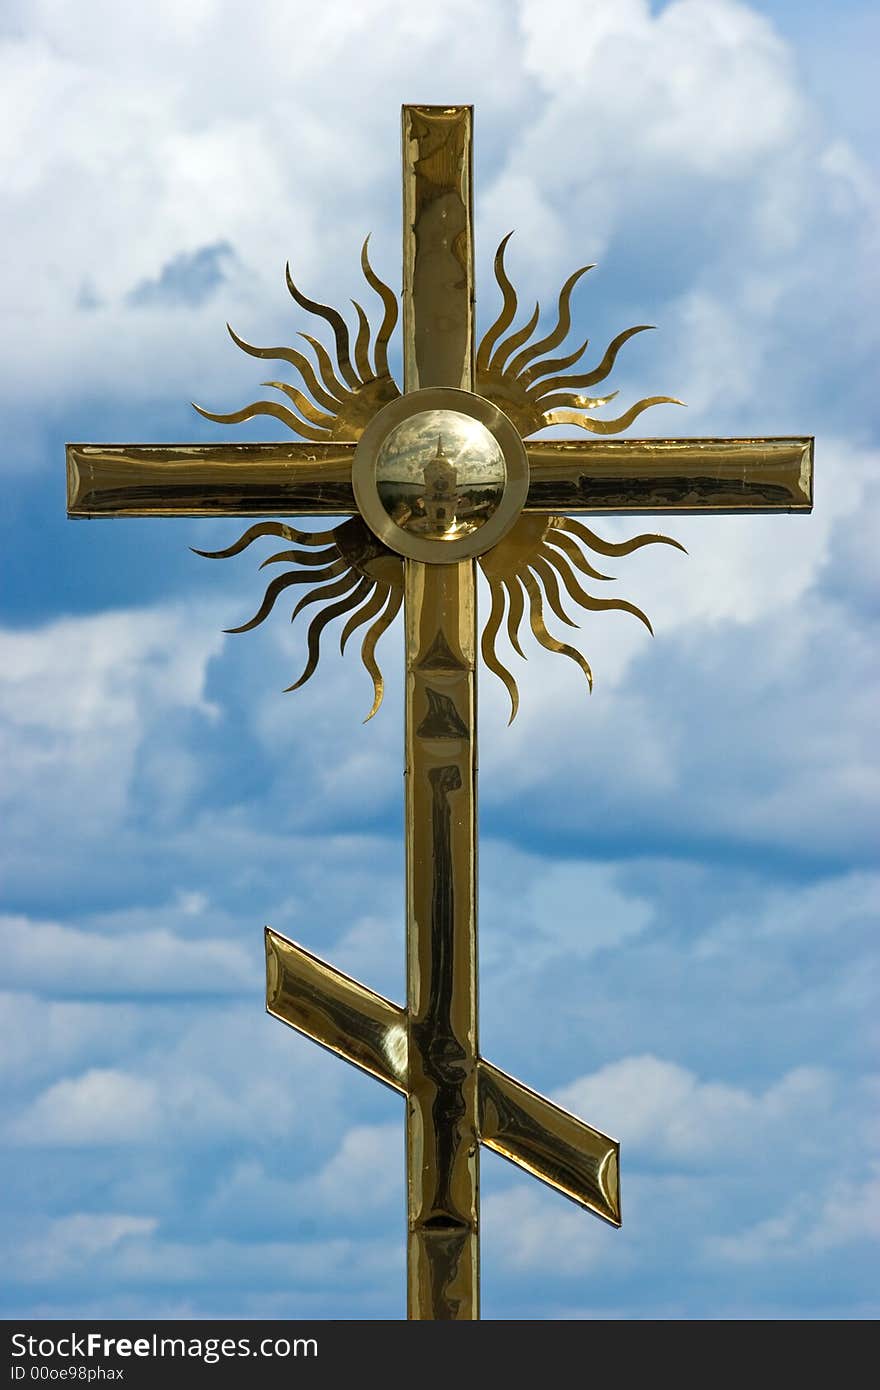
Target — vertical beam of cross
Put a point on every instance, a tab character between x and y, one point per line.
441	767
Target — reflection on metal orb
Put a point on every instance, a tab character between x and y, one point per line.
440	474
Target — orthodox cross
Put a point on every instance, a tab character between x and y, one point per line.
435	480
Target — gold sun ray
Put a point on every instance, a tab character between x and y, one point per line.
371	609
557	334
569	546
527	566
531	388
515	613
514	340
332	400
347	569
384	621
550	584
539	627
549	364
487	645
335	589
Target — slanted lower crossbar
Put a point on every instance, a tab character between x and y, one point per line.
371	1032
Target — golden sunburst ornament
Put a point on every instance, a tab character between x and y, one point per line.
528	387
343	396
455	500
351	571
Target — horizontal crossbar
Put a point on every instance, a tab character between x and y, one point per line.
609	475
354	1022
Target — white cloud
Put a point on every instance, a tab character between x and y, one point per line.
71	1241
528	1231
180	1079
80	698
149	140
714	73
118	1251
103	1106
133	963
542	909
366	1172
846	1214
69	1035
662	1111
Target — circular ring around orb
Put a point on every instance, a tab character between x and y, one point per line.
440	475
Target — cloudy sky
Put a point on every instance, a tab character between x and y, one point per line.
677	875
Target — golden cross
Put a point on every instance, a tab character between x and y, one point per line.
436	480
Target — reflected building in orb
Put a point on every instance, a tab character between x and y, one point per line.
441	492
440	474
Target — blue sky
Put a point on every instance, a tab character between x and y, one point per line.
678	875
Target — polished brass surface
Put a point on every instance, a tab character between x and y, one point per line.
565	475
440	475
671	475
579	1161
371	1033
443	1270
336	1011
209	480
347	406
441	829
523	377
526	567
438	247
349	571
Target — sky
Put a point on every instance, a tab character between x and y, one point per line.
678	874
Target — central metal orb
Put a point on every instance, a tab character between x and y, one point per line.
440	475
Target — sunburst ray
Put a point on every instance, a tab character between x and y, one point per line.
623	422
374	604
612	548
528	565
273	592
539	628
513	341
570	398
267	528
389	320
338	327
368	649
515	613
313	637
546	366
487	647
507	312
565	542
326	370
302	403
558	383
301	557
250	412
545	572
532	387
348	582
295	359
347	570
332	400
